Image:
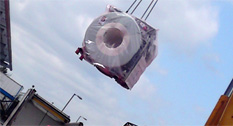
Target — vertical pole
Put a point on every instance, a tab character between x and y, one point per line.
78	119
68	102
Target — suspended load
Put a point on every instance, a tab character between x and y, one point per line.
119	45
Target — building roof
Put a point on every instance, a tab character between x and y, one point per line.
44	104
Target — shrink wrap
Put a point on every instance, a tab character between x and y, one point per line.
120	46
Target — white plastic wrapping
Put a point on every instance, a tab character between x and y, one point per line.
120	45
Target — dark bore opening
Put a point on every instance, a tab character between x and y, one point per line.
113	37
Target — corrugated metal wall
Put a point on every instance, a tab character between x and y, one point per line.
9	85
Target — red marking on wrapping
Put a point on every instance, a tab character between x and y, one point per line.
145	28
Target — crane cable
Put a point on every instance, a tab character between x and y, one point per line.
146	8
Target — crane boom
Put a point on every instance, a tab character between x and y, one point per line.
222	114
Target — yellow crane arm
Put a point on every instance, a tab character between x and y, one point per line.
223	111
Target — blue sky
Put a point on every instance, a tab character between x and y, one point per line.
181	87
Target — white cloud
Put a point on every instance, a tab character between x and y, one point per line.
155	66
212	57
144	89
186	25
210	61
83	22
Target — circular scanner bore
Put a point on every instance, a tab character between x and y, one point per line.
113	37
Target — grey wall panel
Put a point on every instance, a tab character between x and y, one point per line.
31	115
